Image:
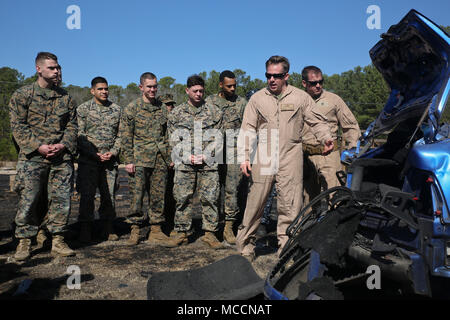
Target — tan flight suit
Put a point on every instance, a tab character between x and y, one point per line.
286	114
323	168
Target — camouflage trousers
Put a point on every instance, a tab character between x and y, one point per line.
44	197
230	180
169	201
150	181
89	178
206	183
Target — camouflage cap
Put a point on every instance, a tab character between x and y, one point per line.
167	98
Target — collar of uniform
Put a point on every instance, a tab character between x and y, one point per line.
93	103
323	95
193	109
286	92
227	102
47	93
149	106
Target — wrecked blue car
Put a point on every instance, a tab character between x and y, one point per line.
391	217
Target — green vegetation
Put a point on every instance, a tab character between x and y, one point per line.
363	89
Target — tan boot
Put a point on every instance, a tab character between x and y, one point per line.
60	248
108	231
176	239
41	237
85	232
134	235
249	256
156	236
210	239
228	234
23	250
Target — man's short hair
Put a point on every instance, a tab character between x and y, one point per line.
226	74
98	80
308	69
41	56
279	59
195	80
145	76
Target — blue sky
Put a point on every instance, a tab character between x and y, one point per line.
122	39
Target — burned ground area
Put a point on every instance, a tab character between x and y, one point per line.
110	270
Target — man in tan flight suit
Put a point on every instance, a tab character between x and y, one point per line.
272	125
324	167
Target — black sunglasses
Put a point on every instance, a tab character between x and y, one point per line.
314	83
275	75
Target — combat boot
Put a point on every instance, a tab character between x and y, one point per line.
210	239
60	248
156	236
85	232
249	256
228	234
23	250
108	231
41	238
134	235
176	239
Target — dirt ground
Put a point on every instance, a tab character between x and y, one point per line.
109	270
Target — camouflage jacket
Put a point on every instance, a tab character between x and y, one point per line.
143	131
98	130
181	124
232	114
233	111
43	116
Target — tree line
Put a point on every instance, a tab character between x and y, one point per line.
363	89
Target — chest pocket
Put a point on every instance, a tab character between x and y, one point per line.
162	120
63	117
36	116
107	120
208	124
232	119
294	125
262	121
152	124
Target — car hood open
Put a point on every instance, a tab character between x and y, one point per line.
413	57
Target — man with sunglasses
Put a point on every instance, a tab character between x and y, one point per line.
331	106
271	128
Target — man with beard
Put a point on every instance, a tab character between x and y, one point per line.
44	125
329	105
232	107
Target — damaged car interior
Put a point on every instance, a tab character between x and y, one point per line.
391	213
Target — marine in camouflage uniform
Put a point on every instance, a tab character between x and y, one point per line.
99	147
232	107
322	169
43	123
191	120
169	200
144	146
